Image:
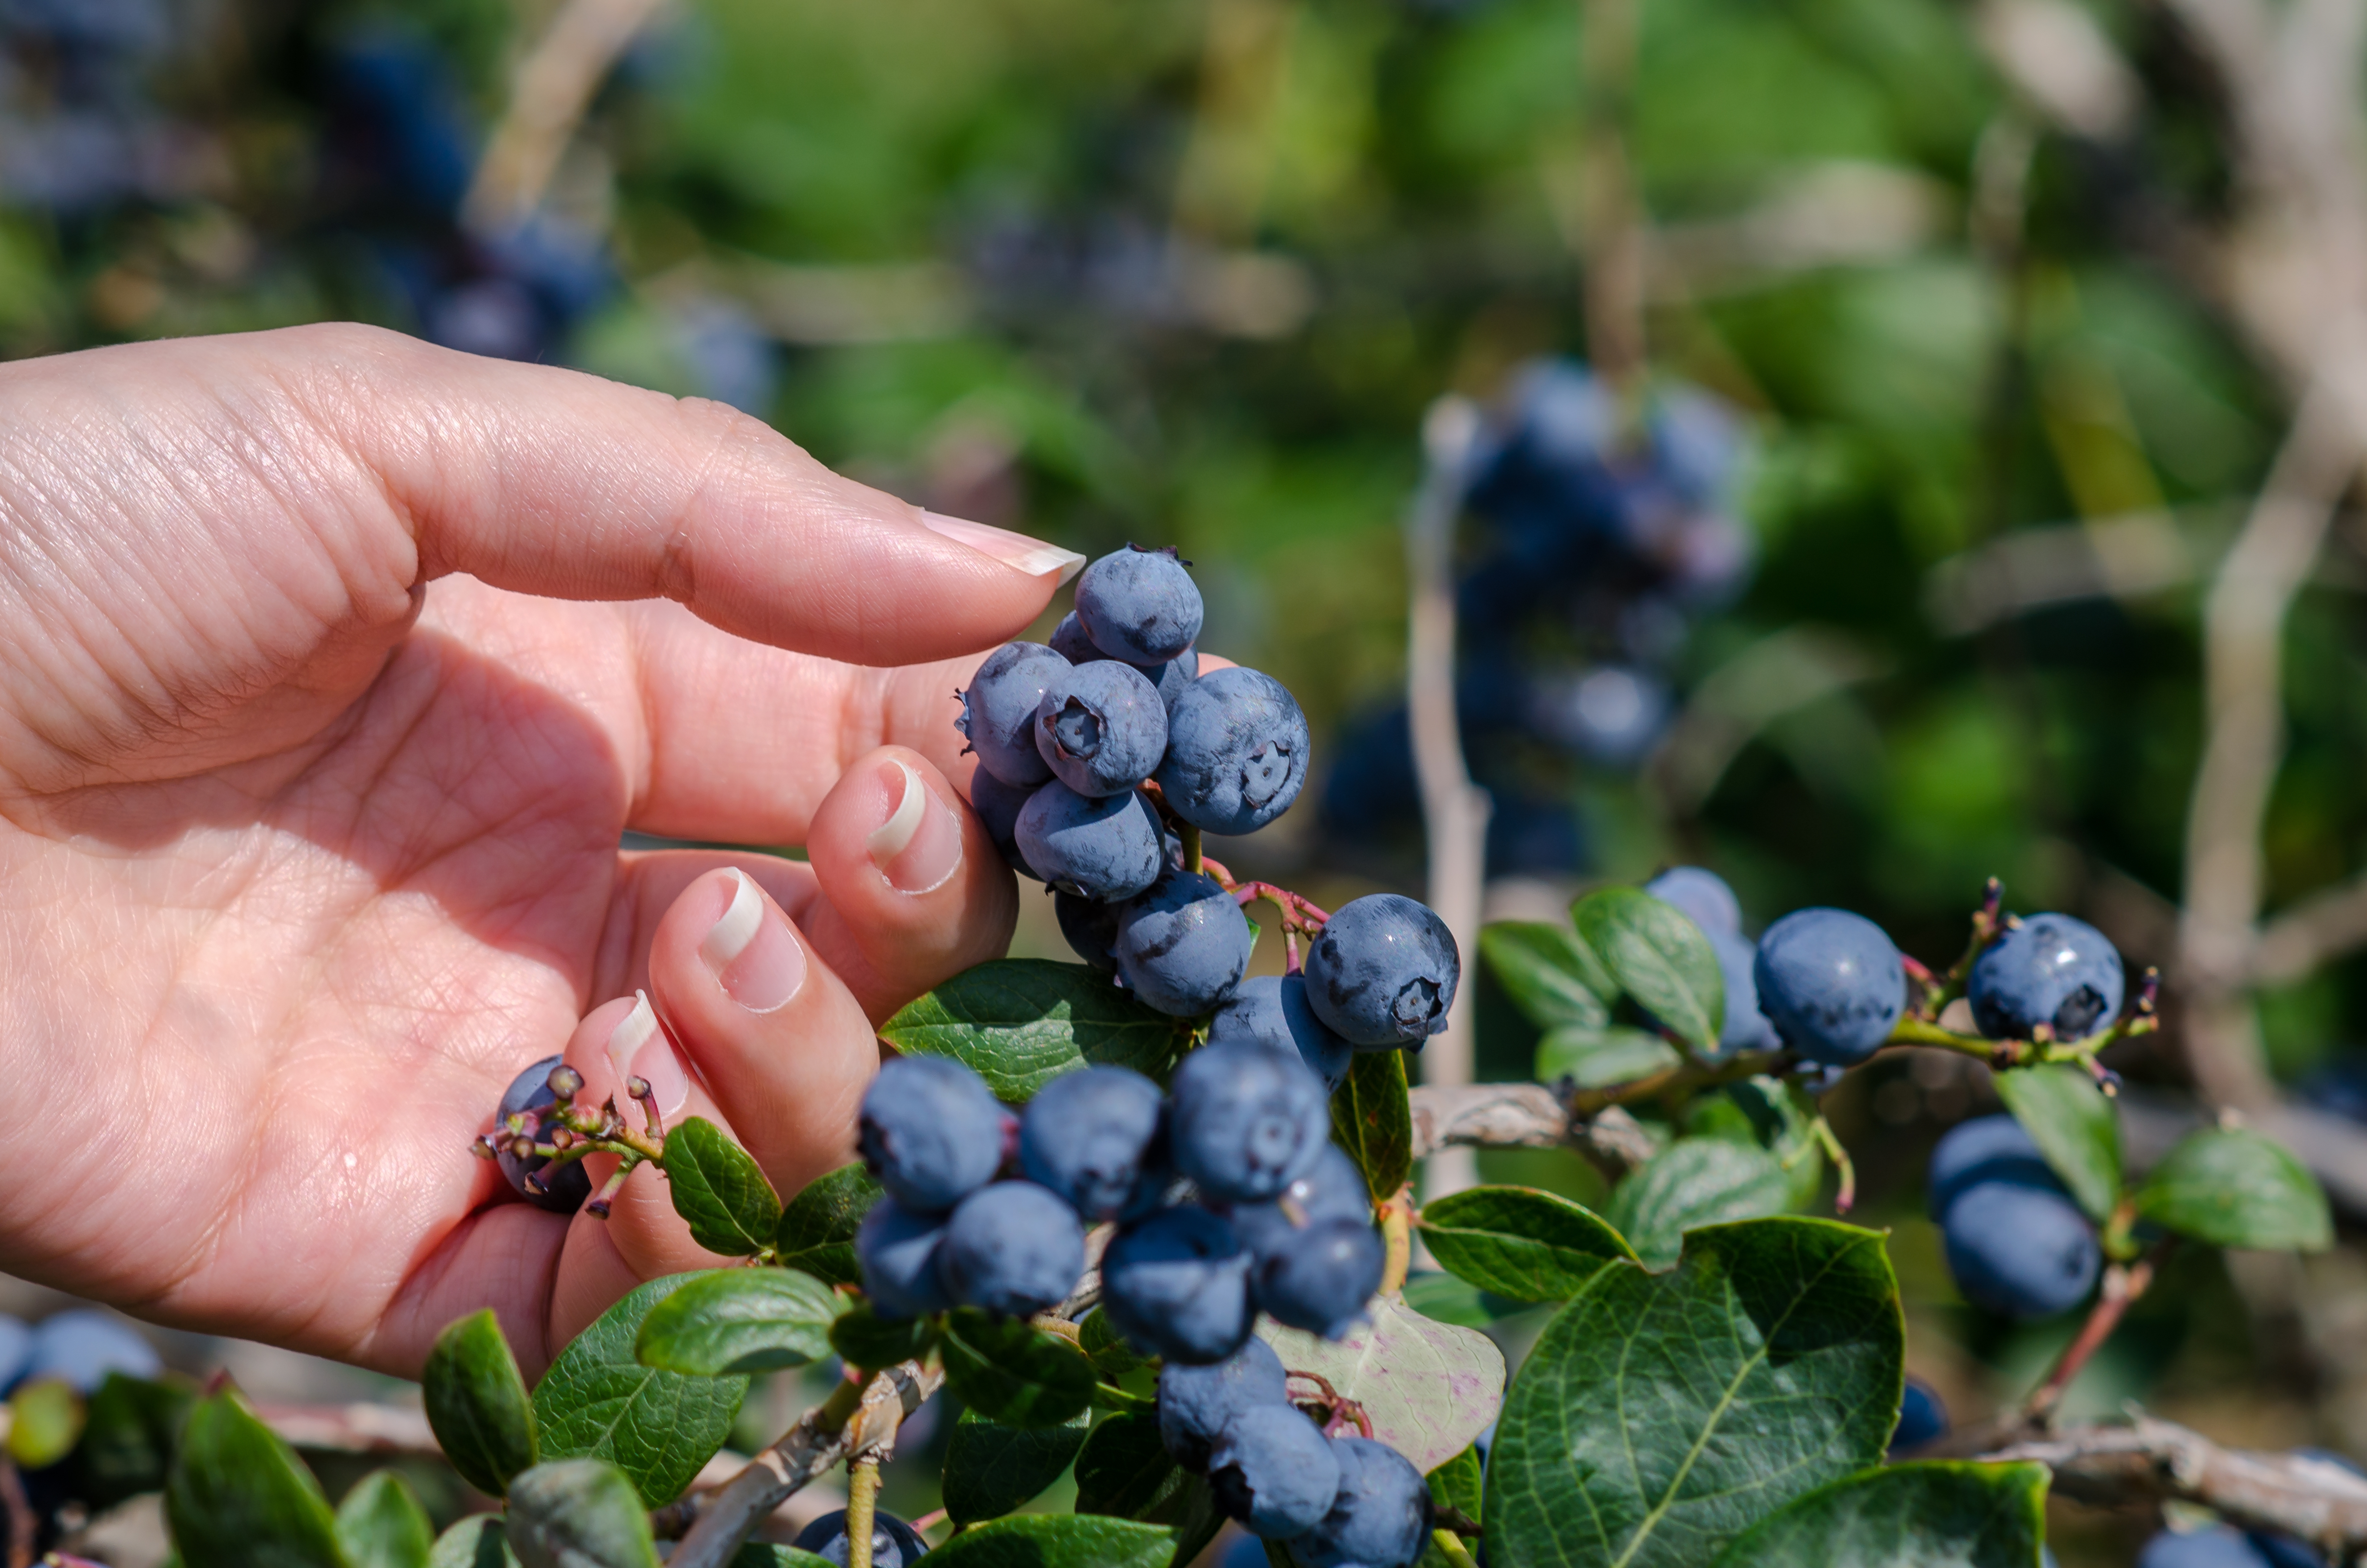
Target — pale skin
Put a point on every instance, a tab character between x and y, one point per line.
332	666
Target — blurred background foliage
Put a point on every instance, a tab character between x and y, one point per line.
1191	272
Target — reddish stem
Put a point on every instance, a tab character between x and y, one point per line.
2123	1285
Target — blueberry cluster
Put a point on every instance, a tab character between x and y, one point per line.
1338	1502
78	1346
2016	1241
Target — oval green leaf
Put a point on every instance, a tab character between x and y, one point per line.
1019	1023
2075	1128
817	1230
1691	1183
579	1514
1661	1415
238	1497
1519	1242
381	1525
1013	1373
1112	1356
1123	1468
2236	1187
740	1319
127	1443
599	1402
1597	1059
1659	958
1372	1118
991	1469
477	1404
719	1191
1928	1514
1058	1541
1548	973
474	1543
863	1339
1429	1388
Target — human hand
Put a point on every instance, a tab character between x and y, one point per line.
332	666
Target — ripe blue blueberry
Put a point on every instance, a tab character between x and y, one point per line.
1922	1417
1745	1028
2050	971
2217	1547
897	1251
1986	1148
1091	928
1101	728
1184	946
1271	1010
1275	1471
894	1543
1322	1283
1702	896
1195	1403
931	1132
1832	983
1383	972
1011	1248
1140	605
568	1185
1378	1519
1236	751
1243	1122
1099	847
16	1351
1094	1136
1332	1189
1177	1285
1072	643
997	805
999	709
82	1346
2020	1248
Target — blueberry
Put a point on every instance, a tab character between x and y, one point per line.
1184	946
999	709
1832	983
2217	1546
1094	1136
1745	1028
1332	1189
1322	1283
1243	1121
1091	927
931	1132
1011	1248
1383	972
569	1185
1195	1403
1982	1149
997	805
1272	1011
1236	751
1099	847
82	1346
2050	969
2020	1248
897	1251
894	1543
1922	1417
1177	1285
15	1351
1378	1519
1701	896
1101	729
1275	1471
1072	643
1139	605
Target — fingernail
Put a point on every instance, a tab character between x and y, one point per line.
920	845
639	1049
1031	556
751	951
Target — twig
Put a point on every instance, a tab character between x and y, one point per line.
1523	1116
23	1525
2122	1286
862	1509
553	87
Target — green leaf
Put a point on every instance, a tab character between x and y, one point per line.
1009	1372
1020	1022
474	1543
991	1469
598	1402
1372	1120
2234	1187
740	1319
1596	1059
1659	958
817	1229
238	1497
1112	1356
1549	974
381	1525
763	1554
128	1440
1928	1514
45	1421
1123	1468
1691	1183
1058	1541
1659	1416
1766	1113
1455	1484
2073	1125
1519	1242
719	1191
579	1514
1431	1387
477	1404
1445	1299
863	1339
